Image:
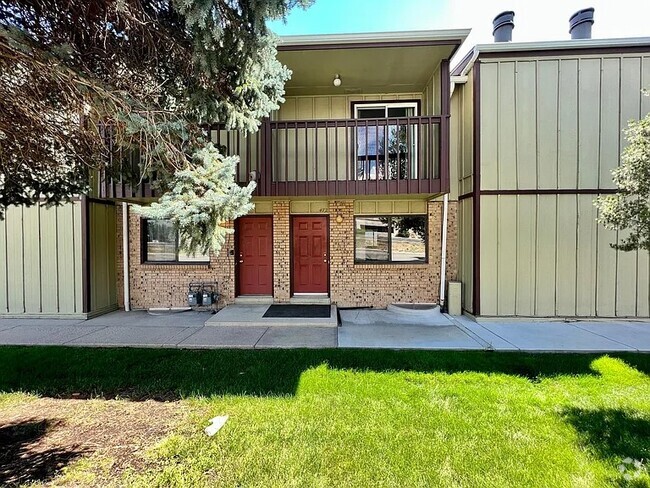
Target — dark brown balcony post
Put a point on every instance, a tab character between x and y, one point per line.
444	125
267	176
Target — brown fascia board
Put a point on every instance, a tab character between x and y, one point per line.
569	47
374	40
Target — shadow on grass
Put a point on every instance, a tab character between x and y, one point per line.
611	433
23	460
168	374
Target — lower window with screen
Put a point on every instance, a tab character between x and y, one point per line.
161	244
390	239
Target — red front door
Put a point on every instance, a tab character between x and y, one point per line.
255	255
310	252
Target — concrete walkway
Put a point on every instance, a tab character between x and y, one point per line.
176	330
189	330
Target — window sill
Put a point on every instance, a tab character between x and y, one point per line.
158	264
402	264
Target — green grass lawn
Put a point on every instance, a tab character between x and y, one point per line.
363	418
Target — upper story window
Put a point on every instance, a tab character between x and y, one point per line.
386	151
161	244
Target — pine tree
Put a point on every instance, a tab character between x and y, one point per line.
203	197
148	75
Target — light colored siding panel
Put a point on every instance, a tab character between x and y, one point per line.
288	109
32	243
546	255
3	266
15	274
466	254
98	256
78	271
586	257
609	122
525	253
547	123
605	273
645	83
489	256
643	285
626	276
340	108
66	257
526	126
507	254
49	259
489	124
568	124
565	270
588	122
112	256
507	128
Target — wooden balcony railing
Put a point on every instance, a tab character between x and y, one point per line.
333	157
353	156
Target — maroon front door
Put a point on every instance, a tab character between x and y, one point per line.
255	255
310	253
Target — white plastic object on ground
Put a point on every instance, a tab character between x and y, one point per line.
215	425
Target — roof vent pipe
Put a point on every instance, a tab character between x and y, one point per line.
503	25
580	24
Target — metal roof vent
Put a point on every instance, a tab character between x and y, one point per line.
580	24
503	25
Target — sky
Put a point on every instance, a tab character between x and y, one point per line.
535	20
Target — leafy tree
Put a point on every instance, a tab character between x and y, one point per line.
629	209
146	75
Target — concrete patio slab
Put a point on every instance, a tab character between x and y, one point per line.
385	317
142	318
405	337
45	335
252	315
551	337
307	337
38	321
633	334
135	336
214	337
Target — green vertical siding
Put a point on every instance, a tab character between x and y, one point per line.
41	269
557	123
102	227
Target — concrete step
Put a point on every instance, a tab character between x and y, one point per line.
310	300
253	316
254	300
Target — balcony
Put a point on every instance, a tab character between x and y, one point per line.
309	147
343	157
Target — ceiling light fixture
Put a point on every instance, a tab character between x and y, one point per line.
337	80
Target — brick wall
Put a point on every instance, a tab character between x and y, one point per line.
165	285
351	284
379	285
281	252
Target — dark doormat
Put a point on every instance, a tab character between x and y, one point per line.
298	312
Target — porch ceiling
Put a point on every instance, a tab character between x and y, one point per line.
396	64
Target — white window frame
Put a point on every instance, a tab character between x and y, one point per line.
414	139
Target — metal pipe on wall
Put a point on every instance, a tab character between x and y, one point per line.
125	254
443	260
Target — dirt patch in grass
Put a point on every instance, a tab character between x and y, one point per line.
39	438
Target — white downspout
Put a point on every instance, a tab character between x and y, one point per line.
125	254
443	260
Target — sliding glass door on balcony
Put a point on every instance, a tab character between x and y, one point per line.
387	152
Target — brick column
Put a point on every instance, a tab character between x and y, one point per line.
341	249
281	252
